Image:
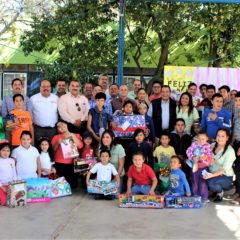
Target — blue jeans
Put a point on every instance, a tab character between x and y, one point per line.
141	189
220	183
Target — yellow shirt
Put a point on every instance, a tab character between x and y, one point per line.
164	154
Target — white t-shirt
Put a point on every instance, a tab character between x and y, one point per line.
104	172
45	162
7	170
26	161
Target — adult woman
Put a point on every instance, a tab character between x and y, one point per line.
221	173
187	111
64	167
116	150
142	97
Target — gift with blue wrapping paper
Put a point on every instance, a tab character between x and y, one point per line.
182	202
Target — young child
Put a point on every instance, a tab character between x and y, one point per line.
98	119
88	149
126	111
200	157
178	179
195	129
139	145
23	120
104	171
141	177
27	158
46	157
164	152
7	171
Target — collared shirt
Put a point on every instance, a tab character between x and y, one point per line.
229	105
165	114
8	105
72	108
117	104
44	110
107	105
59	95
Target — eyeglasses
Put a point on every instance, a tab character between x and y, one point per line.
78	107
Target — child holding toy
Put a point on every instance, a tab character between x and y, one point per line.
141	177
199	158
104	170
88	150
27	158
46	157
7	171
178	179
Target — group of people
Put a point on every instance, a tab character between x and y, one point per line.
190	145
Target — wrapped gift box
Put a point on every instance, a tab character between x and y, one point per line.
82	165
60	188
162	172
126	125
16	194
182	202
38	190
141	201
102	187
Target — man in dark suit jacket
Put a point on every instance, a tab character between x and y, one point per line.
163	112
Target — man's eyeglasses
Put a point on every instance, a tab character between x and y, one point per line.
78	107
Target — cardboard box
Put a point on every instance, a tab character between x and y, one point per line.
60	188
17	194
141	201
38	190
82	165
102	187
182	202
126	125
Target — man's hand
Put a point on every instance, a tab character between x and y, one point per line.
78	123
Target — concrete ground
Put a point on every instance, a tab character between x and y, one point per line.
81	217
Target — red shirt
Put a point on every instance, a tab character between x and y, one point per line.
153	97
87	152
58	156
141	178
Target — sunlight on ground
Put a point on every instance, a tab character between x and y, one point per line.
230	216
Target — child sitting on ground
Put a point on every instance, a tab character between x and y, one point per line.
104	171
177	179
7	171
27	158
141	177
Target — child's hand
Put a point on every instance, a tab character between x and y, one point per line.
151	192
195	159
238	152
54	170
188	194
128	193
114	125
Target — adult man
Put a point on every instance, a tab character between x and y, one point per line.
7	104
233	94
103	81
207	102
163	111
45	115
228	103
156	91
61	87
114	91
117	103
136	86
88	90
73	109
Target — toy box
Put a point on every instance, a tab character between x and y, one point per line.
38	190
60	188
126	125
69	148
102	187
16	194
82	165
182	202
141	201
162	172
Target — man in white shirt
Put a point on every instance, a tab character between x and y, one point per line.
73	109
103	81
45	115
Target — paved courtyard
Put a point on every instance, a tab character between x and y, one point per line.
81	217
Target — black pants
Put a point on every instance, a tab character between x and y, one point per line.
43	132
80	130
236	166
67	171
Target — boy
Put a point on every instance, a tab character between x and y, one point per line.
142	175
215	118
98	119
27	158
177	179
104	171
23	120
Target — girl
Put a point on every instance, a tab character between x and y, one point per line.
200	156
139	145
195	129
187	111
46	157
88	150
221	173
7	171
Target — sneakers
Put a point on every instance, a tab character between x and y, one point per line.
218	198
205	200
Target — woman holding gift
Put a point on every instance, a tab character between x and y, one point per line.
64	167
221	173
